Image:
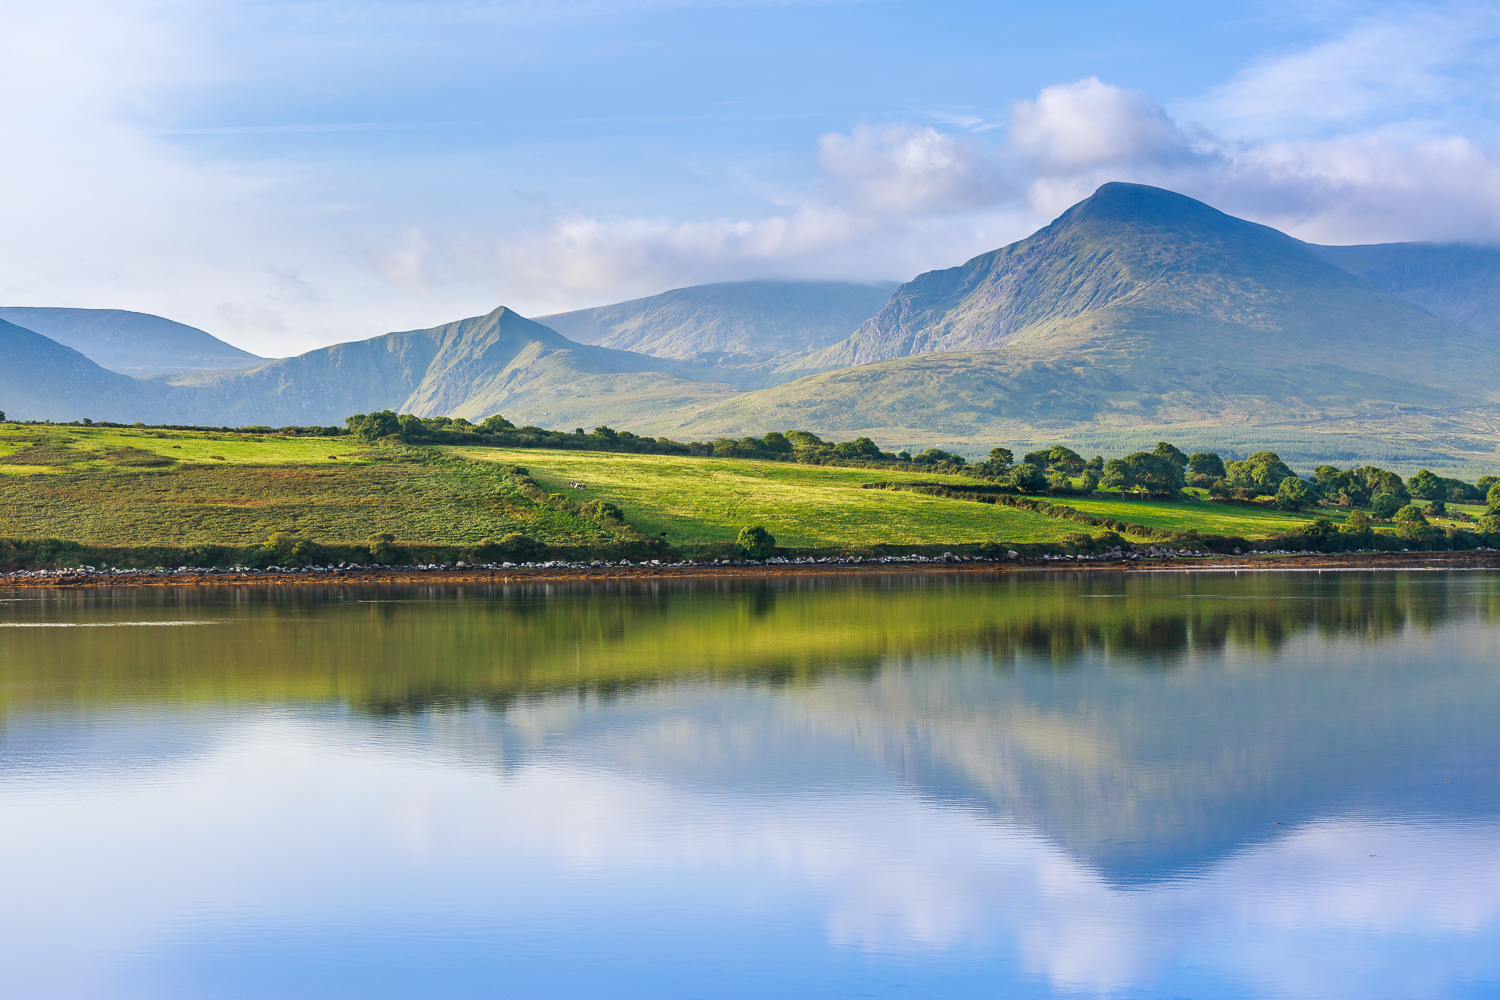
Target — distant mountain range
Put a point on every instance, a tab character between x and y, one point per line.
1138	312
742	317
131	343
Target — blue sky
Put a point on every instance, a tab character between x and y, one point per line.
287	175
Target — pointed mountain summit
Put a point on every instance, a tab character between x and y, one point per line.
1136	308
1134	256
469	368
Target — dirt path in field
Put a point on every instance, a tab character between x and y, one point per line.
74	579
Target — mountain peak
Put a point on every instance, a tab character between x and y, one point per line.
1142	204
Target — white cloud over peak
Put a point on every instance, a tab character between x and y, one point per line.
1076	126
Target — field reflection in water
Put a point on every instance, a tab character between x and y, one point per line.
1185	784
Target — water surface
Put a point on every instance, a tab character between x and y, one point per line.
1186	785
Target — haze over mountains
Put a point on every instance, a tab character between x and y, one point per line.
1137	310
131	343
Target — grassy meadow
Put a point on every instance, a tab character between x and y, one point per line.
149	487
702	501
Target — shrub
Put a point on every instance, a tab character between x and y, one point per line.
382	549
756	542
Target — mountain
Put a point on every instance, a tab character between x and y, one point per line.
131	343
471	368
1459	282
1137	308
742	317
43	380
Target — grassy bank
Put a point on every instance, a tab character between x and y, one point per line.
141	497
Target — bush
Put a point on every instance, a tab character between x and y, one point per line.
756	542
382	549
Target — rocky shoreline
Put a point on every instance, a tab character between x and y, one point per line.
1143	560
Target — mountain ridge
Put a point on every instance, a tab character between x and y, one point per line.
131	343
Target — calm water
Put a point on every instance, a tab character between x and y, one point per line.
1157	786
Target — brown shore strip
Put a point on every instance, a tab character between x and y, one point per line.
468	575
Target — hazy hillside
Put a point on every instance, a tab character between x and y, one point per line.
131	343
739	317
1458	282
43	380
471	368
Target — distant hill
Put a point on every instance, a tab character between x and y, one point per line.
470	368
131	343
41	379
1136	308
1459	282
742	317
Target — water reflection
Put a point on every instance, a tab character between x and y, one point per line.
1189	785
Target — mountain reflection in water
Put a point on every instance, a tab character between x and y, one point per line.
1206	784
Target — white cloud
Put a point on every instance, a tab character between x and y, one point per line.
900	168
1075	126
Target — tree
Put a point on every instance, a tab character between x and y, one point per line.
776	443
1425	486
608	435
1037	458
411	426
1484	485
1090	480
374	426
1292	494
1206	463
1262	472
1356	523
1438	508
864	448
1063	459
1493	497
495	422
1096	464
999	462
1171	452
2	416
1385	505
756	542
1029	478
1144	472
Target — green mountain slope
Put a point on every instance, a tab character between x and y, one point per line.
1138	308
471	368
131	343
742	317
41	379
1458	282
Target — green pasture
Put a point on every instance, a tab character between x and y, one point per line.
1208	518
700	501
112	487
92	446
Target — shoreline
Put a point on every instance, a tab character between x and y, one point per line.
85	580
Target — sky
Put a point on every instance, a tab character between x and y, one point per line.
290	175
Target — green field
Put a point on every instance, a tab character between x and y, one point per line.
125	487
700	501
145	487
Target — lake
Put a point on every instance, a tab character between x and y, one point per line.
1125	785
